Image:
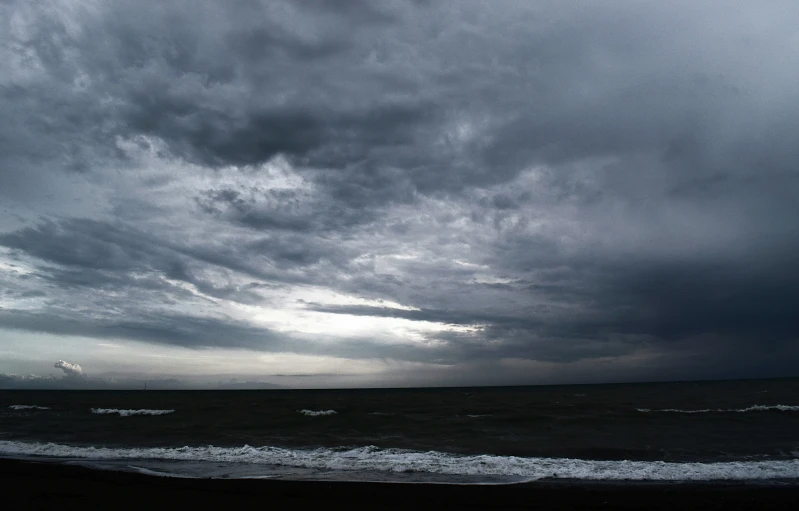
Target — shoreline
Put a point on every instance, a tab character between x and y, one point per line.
39	485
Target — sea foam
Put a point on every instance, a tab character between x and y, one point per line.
755	408
29	407
316	413
126	413
373	459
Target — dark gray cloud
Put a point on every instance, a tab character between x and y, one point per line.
456	185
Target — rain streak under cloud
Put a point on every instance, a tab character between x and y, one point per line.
398	192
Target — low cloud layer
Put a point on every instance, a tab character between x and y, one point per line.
454	194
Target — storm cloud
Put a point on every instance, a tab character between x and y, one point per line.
464	193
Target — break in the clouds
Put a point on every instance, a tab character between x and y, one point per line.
400	192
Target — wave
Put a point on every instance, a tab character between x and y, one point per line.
159	473
126	413
316	413
29	407
755	408
373	459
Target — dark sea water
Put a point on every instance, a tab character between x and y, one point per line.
735	430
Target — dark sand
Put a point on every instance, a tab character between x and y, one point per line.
27	485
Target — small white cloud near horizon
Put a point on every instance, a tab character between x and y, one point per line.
69	368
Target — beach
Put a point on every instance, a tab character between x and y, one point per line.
33	485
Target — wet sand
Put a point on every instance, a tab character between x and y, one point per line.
30	485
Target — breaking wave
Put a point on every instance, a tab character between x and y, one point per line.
126	413
316	413
29	407
755	408
373	459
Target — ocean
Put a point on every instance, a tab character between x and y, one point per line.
746	430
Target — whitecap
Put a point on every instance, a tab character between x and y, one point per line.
126	413
316	413
29	407
755	408
373	459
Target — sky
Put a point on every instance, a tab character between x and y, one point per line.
397	193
